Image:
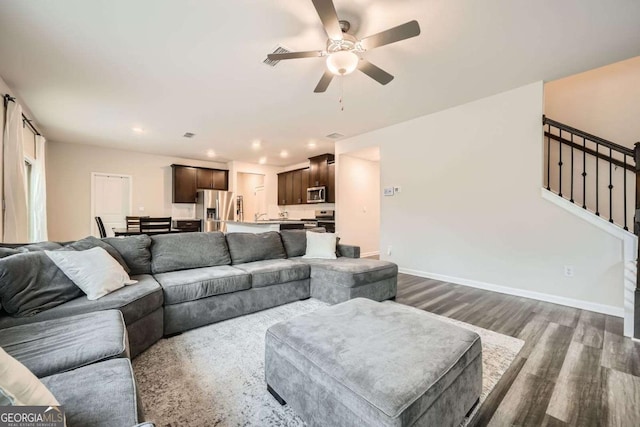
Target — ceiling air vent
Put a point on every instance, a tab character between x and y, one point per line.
272	63
335	135
189	135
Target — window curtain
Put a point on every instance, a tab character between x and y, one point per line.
38	196
16	216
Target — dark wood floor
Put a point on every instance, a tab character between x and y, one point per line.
575	368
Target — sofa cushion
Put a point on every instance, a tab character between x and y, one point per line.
91	242
134	250
183	251
135	302
249	247
274	272
30	283
60	345
197	283
351	272
102	394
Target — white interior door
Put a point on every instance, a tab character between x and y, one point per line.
111	198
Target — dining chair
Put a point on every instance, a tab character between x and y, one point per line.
133	222
155	225
101	229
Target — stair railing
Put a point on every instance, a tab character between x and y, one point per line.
582	159
589	155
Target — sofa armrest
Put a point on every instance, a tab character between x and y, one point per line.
348	251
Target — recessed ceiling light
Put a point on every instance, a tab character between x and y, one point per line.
137	130
256	144
262	160
284	153
211	153
311	144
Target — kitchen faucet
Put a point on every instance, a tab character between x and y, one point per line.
257	216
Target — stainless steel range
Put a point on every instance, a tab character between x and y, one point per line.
327	219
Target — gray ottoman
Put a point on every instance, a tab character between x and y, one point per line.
365	363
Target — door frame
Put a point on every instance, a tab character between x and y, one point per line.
92	220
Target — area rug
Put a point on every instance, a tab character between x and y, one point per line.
214	375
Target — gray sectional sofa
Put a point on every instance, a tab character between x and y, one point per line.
185	281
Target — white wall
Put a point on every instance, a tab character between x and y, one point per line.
69	168
604	102
471	210
359	203
270	183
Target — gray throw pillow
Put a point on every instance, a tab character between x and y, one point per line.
5	252
249	247
30	283
295	242
182	251
41	246
135	251
91	242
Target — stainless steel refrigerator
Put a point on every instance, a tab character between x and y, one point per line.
214	208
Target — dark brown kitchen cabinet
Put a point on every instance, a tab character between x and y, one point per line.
296	176
204	178
184	184
188	179
331	183
220	179
319	170
304	177
282	189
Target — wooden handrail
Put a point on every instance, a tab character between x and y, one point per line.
617	147
603	156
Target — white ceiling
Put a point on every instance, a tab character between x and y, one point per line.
90	71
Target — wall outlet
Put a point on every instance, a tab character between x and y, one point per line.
568	270
389	250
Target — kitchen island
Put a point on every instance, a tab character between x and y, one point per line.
267	225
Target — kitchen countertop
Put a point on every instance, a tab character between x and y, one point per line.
273	221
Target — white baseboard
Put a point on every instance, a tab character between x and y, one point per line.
570	302
366	254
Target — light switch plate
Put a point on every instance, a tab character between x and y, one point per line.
388	191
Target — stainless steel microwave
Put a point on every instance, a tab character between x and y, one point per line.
316	194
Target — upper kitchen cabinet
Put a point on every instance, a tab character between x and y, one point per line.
184	184
319	170
187	180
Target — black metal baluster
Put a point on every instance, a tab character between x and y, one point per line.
597	177
571	200
610	186
624	171
560	165
549	159
584	174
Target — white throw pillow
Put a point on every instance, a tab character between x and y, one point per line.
94	271
321	245
19	387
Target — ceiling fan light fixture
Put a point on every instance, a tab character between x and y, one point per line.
342	62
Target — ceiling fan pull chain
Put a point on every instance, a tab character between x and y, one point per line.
341	93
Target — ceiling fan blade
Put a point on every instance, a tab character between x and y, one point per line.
294	55
392	35
323	84
377	74
327	12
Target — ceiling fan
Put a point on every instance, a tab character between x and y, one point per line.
344	51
